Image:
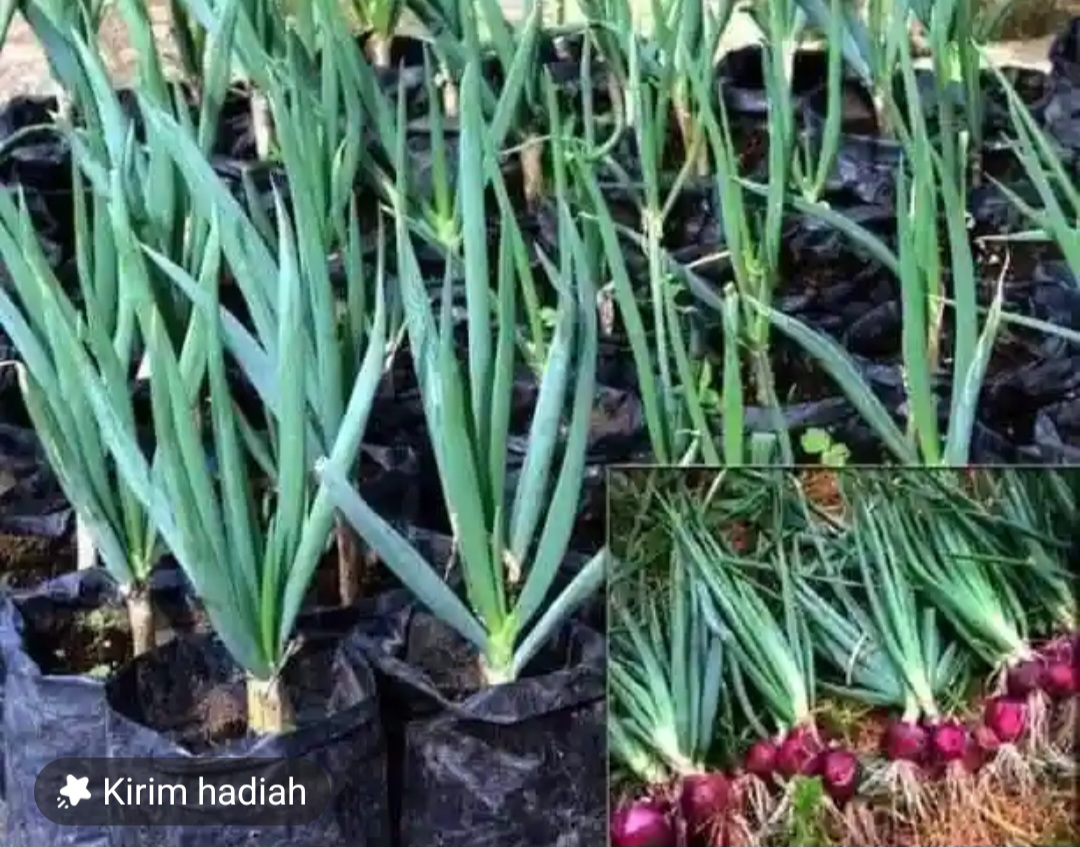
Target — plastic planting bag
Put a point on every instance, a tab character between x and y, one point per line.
186	700
516	765
53	703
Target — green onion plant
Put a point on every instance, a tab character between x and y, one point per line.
769	646
249	561
1059	215
379	18
509	543
52	335
671	383
665	678
931	196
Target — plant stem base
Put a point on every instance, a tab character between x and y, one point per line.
269	710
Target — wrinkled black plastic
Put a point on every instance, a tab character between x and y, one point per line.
50	716
866	163
39	162
1057	434
516	765
338	728
1034	88
1062	114
741	79
1065	53
31	502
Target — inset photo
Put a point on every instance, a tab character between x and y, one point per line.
845	656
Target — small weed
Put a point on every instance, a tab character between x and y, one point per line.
100	671
818	442
806	826
842	718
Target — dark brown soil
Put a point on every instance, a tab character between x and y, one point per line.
223	712
78	642
203	707
94	641
448	659
28	561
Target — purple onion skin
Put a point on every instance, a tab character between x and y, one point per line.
1024	678
840	772
906	742
948	741
705	801
800	753
1059	680
761	759
1065	648
982	745
643	823
1007	718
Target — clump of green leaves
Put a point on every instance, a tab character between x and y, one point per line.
818	442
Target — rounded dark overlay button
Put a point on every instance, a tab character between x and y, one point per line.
183	792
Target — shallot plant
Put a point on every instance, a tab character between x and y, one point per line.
510	540
249	562
907	633
464	33
49	330
753	241
1059	215
666	677
264	29
672	384
932	192
684	37
960	560
769	645
123	191
379	19
872	46
317	127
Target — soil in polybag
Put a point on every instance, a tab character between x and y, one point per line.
35	518
58	643
187	700
519	764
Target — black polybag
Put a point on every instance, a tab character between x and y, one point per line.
1062	115
521	764
741	79
1056	434
11	407
51	716
31	502
338	728
1064	53
866	162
